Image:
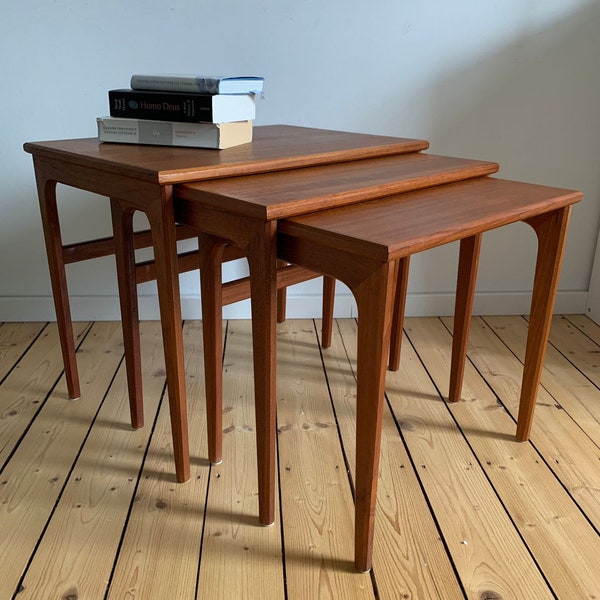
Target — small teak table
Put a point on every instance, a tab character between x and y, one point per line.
359	244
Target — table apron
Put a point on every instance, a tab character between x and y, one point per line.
236	229
138	193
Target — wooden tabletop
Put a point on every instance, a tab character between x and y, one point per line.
274	147
396	226
287	193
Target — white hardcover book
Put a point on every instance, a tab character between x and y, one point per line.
171	133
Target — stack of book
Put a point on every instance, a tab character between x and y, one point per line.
182	110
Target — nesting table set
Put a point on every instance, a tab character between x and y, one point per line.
353	207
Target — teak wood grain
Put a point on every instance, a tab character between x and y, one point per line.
358	244
389	228
286	194
244	211
346	170
137	177
274	147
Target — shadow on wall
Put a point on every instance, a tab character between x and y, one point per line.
534	107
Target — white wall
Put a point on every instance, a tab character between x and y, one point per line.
515	81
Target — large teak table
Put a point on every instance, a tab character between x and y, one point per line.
143	178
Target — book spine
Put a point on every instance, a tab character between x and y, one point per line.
165	106
197	85
161	133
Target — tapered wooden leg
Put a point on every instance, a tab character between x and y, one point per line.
211	258
327	315
122	221
58	279
401	282
468	263
162	224
551	231
281	297
374	299
262	261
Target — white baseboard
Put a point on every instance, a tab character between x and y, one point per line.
106	308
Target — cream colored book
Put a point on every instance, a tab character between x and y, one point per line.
171	133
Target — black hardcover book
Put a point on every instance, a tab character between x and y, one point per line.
181	107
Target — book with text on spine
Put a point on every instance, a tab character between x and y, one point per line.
181	106
202	84
173	133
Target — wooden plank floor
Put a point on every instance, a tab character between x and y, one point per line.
90	509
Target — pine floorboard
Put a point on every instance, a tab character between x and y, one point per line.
89	508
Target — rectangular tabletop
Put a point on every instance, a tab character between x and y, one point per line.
284	194
274	147
388	228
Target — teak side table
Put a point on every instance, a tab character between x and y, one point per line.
244	212
361	244
142	178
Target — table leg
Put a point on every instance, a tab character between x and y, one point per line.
401	284
327	314
211	258
468	263
122	222
551	229
58	279
162	223
262	261
281	298
374	299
